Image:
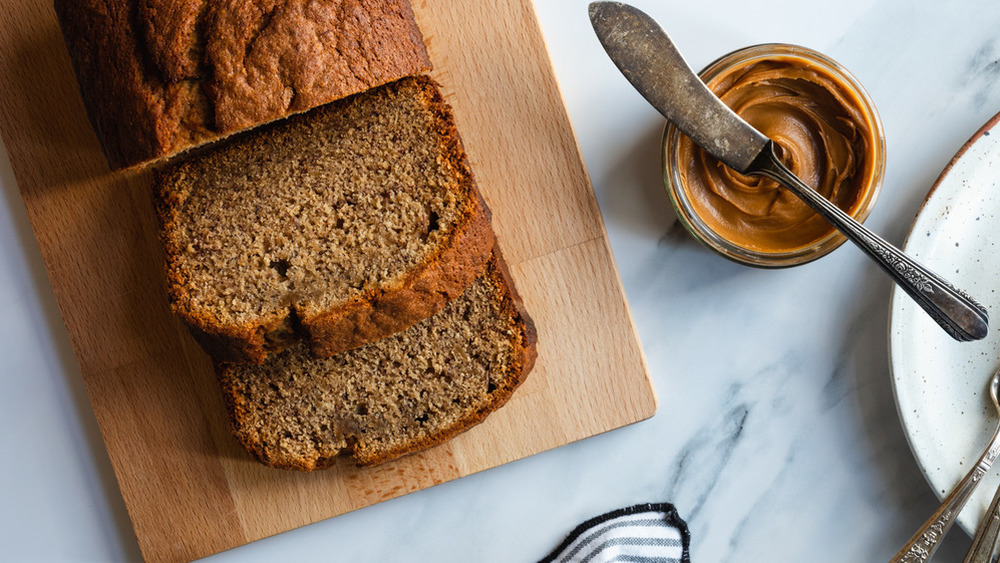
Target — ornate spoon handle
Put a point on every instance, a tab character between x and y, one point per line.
985	542
925	542
958	314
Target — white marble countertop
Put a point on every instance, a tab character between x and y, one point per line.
777	436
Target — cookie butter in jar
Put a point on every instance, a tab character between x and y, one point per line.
827	132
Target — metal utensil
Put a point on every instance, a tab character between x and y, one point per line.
987	541
984	545
925	542
650	61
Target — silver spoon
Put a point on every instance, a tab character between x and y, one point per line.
985	544
650	61
925	542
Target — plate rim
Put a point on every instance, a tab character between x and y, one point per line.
895	293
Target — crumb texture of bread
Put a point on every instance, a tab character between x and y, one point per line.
339	226
401	394
161	76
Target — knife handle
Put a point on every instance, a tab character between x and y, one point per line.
957	312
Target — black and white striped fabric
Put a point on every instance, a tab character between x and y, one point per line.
644	533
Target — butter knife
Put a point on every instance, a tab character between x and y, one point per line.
650	61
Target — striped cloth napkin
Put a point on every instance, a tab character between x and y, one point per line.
644	533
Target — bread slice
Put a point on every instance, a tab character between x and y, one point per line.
392	397
162	76
339	226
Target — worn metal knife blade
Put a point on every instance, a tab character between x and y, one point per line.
650	61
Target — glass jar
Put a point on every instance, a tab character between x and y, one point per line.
746	251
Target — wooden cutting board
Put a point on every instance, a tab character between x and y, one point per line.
190	489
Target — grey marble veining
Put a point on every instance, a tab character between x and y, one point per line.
777	436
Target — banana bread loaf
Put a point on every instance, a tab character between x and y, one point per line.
338	226
162	76
392	397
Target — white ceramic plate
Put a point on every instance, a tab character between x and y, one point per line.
941	385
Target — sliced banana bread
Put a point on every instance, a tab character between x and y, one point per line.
162	76
337	227
394	396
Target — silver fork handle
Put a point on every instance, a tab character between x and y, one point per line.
984	545
957	312
925	542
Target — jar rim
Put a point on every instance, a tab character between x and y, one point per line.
817	249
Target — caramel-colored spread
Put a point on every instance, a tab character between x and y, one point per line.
822	134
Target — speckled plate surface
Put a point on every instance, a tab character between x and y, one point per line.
941	385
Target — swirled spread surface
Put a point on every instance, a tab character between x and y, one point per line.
822	134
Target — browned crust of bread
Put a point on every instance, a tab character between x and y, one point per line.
527	344
425	291
525	360
372	314
247	342
161	76
237	410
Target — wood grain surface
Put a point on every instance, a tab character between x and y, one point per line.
190	489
